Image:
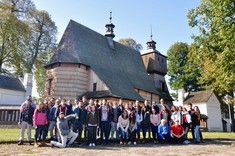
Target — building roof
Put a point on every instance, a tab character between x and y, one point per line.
7	82
198	97
120	68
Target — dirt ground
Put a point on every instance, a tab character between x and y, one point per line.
210	147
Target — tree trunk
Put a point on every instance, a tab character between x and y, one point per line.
1	66
232	111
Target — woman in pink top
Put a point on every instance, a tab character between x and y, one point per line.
40	122
155	120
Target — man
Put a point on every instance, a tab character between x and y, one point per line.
84	116
23	105
63	128
77	122
105	112
191	113
52	118
26	121
177	132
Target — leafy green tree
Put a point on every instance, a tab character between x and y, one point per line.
180	69
40	72
216	48
42	37
129	42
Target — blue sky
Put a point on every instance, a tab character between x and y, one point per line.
132	18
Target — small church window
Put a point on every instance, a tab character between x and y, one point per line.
49	86
162	86
94	86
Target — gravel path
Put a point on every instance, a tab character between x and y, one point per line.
212	147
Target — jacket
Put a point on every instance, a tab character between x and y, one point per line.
52	114
93	118
26	114
62	124
78	112
40	117
161	129
146	119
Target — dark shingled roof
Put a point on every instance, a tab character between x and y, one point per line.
121	68
198	97
7	82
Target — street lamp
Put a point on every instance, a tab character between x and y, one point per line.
229	111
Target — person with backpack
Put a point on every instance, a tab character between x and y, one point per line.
26	121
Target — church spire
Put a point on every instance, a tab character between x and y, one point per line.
109	27
151	44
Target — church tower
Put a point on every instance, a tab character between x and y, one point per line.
156	66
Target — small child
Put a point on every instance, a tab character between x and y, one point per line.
93	123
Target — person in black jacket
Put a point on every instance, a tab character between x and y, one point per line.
26	121
145	124
115	113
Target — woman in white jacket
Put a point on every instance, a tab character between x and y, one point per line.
176	115
139	118
123	126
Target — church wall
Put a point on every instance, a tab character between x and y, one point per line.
148	96
68	81
93	78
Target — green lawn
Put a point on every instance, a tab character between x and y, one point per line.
8	135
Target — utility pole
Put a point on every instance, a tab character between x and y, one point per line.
229	111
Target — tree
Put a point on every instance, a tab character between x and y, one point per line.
42	37
40	73
216	48
129	42
13	31
215	20
180	68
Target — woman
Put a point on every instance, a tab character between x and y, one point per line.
155	121
146	122
186	122
139	119
123	125
176	115
92	123
132	128
40	124
164	134
196	123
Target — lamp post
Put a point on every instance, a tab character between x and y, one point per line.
229	111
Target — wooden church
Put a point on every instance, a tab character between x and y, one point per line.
88	63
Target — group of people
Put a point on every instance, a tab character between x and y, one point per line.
110	121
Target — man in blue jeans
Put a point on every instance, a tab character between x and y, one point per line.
105	111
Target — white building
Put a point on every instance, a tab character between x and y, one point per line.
13	93
209	105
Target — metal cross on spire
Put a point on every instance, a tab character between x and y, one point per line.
110	17
151	33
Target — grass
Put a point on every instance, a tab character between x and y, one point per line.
13	134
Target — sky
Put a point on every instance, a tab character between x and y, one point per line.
132	18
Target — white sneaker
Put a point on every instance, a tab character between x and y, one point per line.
134	143
93	144
90	145
129	143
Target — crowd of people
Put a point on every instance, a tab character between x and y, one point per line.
102	122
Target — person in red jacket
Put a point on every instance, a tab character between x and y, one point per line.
177	132
40	124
